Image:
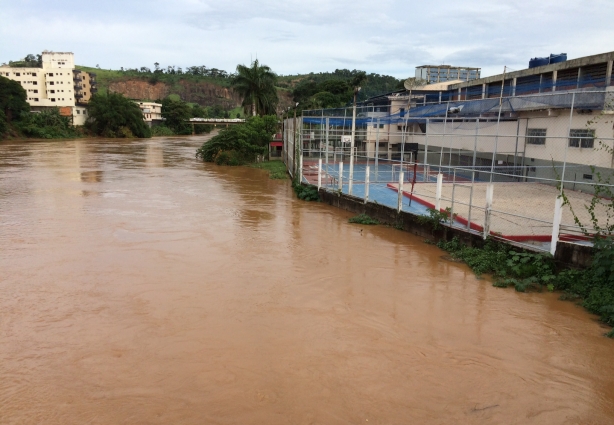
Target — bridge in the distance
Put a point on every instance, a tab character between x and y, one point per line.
215	121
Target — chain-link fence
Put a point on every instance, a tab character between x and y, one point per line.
498	166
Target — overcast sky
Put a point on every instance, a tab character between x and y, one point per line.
384	36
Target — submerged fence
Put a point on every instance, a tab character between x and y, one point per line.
495	166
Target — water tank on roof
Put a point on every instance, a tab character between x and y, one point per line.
534	62
561	57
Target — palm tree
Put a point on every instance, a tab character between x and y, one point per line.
256	84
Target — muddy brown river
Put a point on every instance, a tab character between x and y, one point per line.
140	286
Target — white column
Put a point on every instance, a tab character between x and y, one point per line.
438	192
489	196
300	169
556	223
367	184
319	173
400	200
341	176
351	177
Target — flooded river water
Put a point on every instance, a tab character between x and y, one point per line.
139	286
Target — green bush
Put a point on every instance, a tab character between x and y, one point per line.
247	140
161	130
306	193
363	219
48	124
527	271
231	157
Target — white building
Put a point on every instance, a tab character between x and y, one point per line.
49	86
152	112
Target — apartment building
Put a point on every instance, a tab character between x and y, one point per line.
152	112
85	86
53	85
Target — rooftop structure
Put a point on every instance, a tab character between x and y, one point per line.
440	73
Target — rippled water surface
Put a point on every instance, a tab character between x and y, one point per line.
139	286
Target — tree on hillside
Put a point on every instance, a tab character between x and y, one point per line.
30	61
256	84
12	99
114	115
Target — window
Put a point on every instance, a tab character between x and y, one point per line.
53	99
78	112
402	112
587	176
536	136
18	74
581	138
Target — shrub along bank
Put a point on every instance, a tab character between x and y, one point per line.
593	287
240	144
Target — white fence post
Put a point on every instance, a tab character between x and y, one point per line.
489	196
341	176
400	200
556	223
367	184
300	169
438	192
351	177
319	173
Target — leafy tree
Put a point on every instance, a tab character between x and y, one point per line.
241	143
30	61
198	111
256	84
3	124
12	99
114	115
177	113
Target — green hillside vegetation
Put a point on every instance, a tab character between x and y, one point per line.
333	89
313	90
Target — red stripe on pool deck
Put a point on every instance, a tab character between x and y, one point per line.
474	226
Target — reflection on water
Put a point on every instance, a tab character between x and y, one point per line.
138	285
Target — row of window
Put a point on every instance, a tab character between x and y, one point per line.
18	74
578	137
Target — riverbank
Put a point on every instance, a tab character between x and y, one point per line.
276	169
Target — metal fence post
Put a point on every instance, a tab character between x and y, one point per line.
556	223
400	199
470	200
341	176
319	173
351	176
377	150
425	170
438	192
489	197
367	184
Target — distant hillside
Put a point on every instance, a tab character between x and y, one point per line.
211	87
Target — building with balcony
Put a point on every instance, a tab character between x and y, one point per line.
152	112
85	86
